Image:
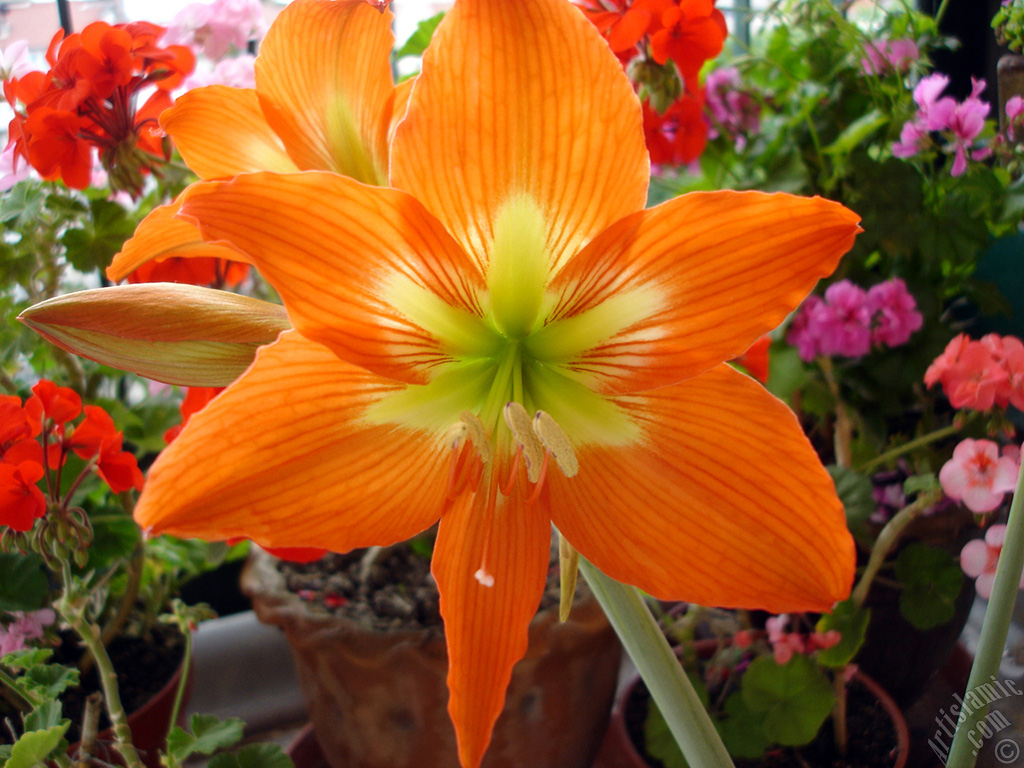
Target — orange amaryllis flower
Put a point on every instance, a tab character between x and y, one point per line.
507	340
324	99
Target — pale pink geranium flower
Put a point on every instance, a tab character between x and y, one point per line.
894	315
217	29
236	72
784	644
24	627
889	56
977	475
14	60
12	168
1014	110
978	559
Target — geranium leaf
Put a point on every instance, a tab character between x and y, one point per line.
851	621
932	582
33	748
260	755
795	698
23	585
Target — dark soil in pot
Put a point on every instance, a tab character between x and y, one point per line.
872	743
396	592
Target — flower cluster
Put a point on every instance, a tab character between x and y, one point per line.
663	44
785	644
962	122
36	439
217	29
981	374
87	100
731	110
884	56
979	558
24	626
848	321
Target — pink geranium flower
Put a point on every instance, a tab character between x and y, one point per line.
966	123
980	374
979	558
844	321
889	56
893	312
1014	110
978	476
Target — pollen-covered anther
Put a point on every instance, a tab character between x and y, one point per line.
521	427
466	437
554	440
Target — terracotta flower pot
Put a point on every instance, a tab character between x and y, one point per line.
379	699
620	751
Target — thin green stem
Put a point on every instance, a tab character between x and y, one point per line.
912	445
886	541
963	753
670	688
71	610
939	14
13	695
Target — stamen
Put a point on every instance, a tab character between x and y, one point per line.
477	435
541	477
457	471
510	483
557	442
485	579
519	423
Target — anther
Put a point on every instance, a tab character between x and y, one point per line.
485	579
477	435
554	439
519	424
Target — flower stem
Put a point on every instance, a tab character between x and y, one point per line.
912	445
885	542
660	669
70	609
843	430
995	626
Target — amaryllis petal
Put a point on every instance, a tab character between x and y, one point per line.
201	118
162	235
283	458
504	544
324	82
695	281
392	261
722	501
178	334
547	115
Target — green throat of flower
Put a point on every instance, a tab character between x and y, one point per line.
512	351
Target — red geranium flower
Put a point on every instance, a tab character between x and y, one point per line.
21	501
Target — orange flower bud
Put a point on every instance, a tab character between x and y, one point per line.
178	334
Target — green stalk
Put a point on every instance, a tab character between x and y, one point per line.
886	541
89	633
911	445
962	753
670	688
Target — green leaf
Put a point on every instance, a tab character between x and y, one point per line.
261	755
795	698
209	733
857	132
420	39
46	715
932	582
742	730
851	622
34	747
48	681
855	491
23	585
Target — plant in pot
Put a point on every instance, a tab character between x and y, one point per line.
367	637
95	650
781	695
